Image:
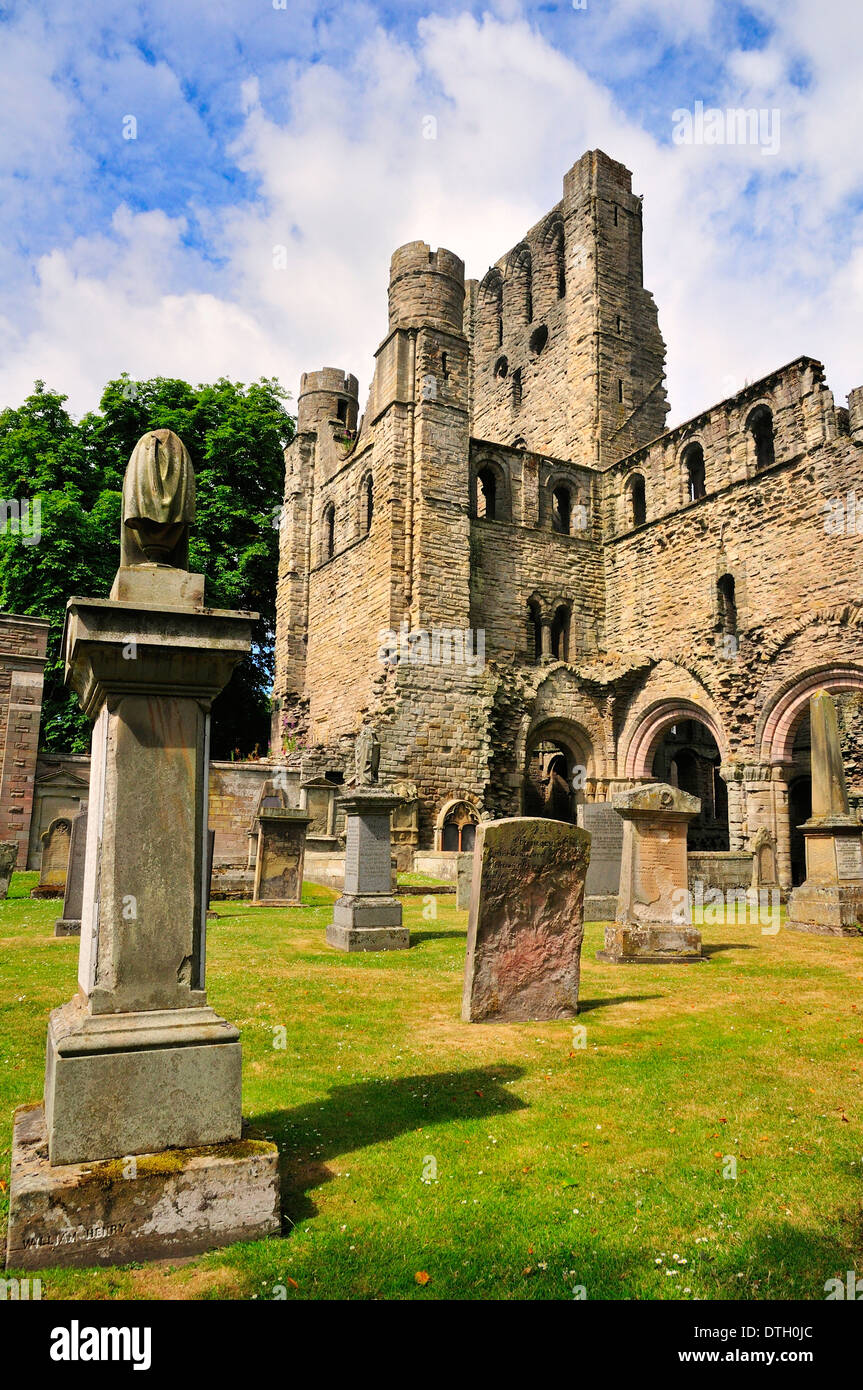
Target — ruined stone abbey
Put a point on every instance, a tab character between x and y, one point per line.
533	592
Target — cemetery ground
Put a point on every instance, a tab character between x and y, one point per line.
428	1158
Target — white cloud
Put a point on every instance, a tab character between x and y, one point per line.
344	175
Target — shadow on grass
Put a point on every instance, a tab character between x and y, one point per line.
585	1005
418	935
713	948
373	1112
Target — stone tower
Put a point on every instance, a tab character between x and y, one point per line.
569	359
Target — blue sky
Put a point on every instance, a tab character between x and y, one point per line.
301	128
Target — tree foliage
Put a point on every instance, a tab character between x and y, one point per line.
67	542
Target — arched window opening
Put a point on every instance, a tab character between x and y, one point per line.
726	604
534	619
559	255
342	411
501	367
329	531
516	389
491	311
523	281
694	472
637	500
368	503
459	828
560	634
760	425
519	443
486	494
561	511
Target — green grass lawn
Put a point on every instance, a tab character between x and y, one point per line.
547	1164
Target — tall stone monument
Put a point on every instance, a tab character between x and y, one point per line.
654	910
526	921
830	900
139	1066
368	917
70	923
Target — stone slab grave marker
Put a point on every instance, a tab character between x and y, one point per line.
605	827
368	916
70	923
8	860
830	900
526	921
281	849
139	1067
55	859
464	878
654	912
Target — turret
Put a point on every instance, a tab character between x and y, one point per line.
329	396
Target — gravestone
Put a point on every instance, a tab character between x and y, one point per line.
605	828
70	923
280	855
464	878
526	921
8	859
55	859
762	847
368	917
139	1067
830	900
653	923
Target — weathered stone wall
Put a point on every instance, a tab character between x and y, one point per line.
23	644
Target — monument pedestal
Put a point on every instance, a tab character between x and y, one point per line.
138	1152
156	1206
830	901
367	917
653	924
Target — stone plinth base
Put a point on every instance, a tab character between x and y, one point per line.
600	907
156	1206
67	926
834	909
368	938
651	945
48	890
367	922
372	922
118	1084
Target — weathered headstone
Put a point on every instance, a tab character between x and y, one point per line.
8	859
762	847
464	878
368	917
526	921
605	828
279	862
70	923
830	900
654	910
138	1064
55	859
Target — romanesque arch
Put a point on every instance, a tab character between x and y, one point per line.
780	717
646	729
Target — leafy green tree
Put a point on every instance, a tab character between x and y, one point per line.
74	470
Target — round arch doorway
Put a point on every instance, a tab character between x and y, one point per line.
557	764
687	756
